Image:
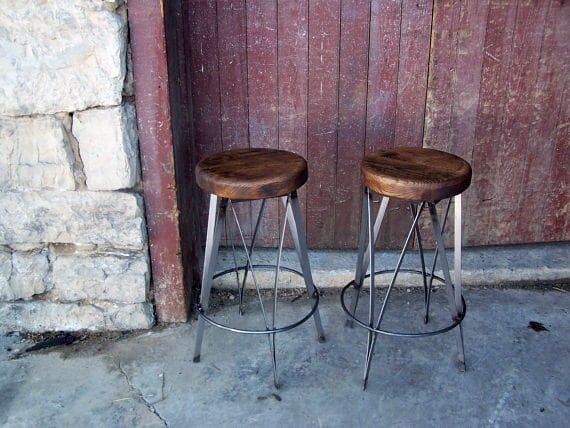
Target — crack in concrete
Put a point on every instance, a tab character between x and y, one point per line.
140	395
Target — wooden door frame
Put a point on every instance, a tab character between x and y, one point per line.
173	247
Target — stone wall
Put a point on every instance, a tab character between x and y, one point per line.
73	245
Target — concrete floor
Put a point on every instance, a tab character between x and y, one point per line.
516	377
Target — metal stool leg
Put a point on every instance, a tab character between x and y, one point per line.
370	349
363	256
215	217
454	294
293	213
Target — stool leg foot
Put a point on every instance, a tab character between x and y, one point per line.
215	217
293	213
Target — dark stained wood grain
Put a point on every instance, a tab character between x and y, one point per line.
354	38
416	174
322	118
255	173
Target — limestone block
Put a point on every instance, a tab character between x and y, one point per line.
39	316
61	55
108	147
34	155
5	273
103	218
29	276
113	278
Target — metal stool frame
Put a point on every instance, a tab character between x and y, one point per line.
216	216
365	262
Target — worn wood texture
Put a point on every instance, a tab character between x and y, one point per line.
416	173
336	80
258	173
156	135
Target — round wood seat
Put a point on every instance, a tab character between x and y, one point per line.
415	174
251	173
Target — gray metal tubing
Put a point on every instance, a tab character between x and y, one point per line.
215	217
392	282
363	257
449	284
413	212
293	214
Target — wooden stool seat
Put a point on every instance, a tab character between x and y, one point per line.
251	173
415	174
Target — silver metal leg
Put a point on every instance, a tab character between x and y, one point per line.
454	295
363	256
370	348
293	213
215	218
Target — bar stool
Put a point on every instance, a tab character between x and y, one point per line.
423	177
243	175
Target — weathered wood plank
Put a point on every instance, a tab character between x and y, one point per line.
554	72
385	20
292	57
415	36
529	29
490	117
263	98
354	40
232	65
204	79
324	36
442	77
546	98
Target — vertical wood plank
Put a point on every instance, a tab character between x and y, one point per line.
354	41
324	35
263	98
442	78
469	60
495	71
552	110
292	57
385	21
556	210
529	28
232	65
412	72
233	70
204	79
415	35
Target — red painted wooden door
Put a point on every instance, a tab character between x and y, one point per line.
333	80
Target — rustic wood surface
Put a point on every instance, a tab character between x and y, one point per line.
415	173
486	80
251	173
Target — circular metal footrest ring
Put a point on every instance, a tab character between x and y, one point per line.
456	321
209	320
